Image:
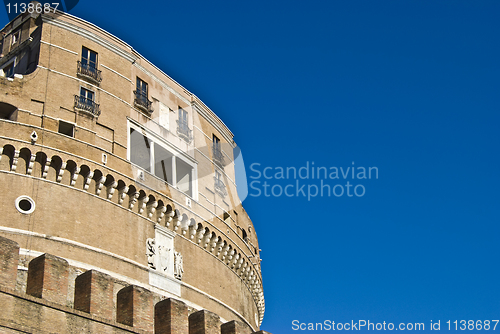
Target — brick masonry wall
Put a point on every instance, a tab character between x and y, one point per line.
43	309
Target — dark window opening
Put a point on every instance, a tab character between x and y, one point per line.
217	151
9	71
141	95
67	129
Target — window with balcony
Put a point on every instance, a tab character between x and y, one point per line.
153	154
183	129
85	102
87	66
219	185
217	156
141	96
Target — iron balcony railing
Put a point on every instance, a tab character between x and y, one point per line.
218	157
85	104
184	131
220	187
141	101
89	71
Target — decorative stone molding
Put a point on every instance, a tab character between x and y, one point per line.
200	233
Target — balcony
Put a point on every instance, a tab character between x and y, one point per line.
87	105
217	155
220	187
89	72
184	131
141	101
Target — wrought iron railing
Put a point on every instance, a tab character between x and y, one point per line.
218	157
220	187
85	104
89	71
184	131
141	101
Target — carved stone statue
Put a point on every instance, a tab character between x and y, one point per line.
178	265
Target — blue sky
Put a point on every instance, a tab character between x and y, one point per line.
410	87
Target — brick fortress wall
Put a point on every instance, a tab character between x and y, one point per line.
44	307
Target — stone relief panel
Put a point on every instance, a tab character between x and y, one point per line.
165	265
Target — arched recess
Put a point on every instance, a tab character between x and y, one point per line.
8	111
110	187
83	177
40	163
54	168
71	170
96	182
24	161
7	157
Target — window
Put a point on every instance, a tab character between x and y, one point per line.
85	102
67	129
86	95
217	151
87	67
140	150
9	70
16	36
154	155
183	129
219	186
89	58
141	95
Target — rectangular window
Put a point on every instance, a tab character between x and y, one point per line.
217	151
16	36
142	88
87	66
67	129
154	155
140	150
183	129
184	177
163	163
9	70
219	185
141	96
86	101
183	117
86	95
89	58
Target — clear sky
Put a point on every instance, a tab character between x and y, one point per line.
410	87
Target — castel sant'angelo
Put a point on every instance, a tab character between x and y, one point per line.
119	207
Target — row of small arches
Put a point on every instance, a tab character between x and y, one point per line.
128	195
